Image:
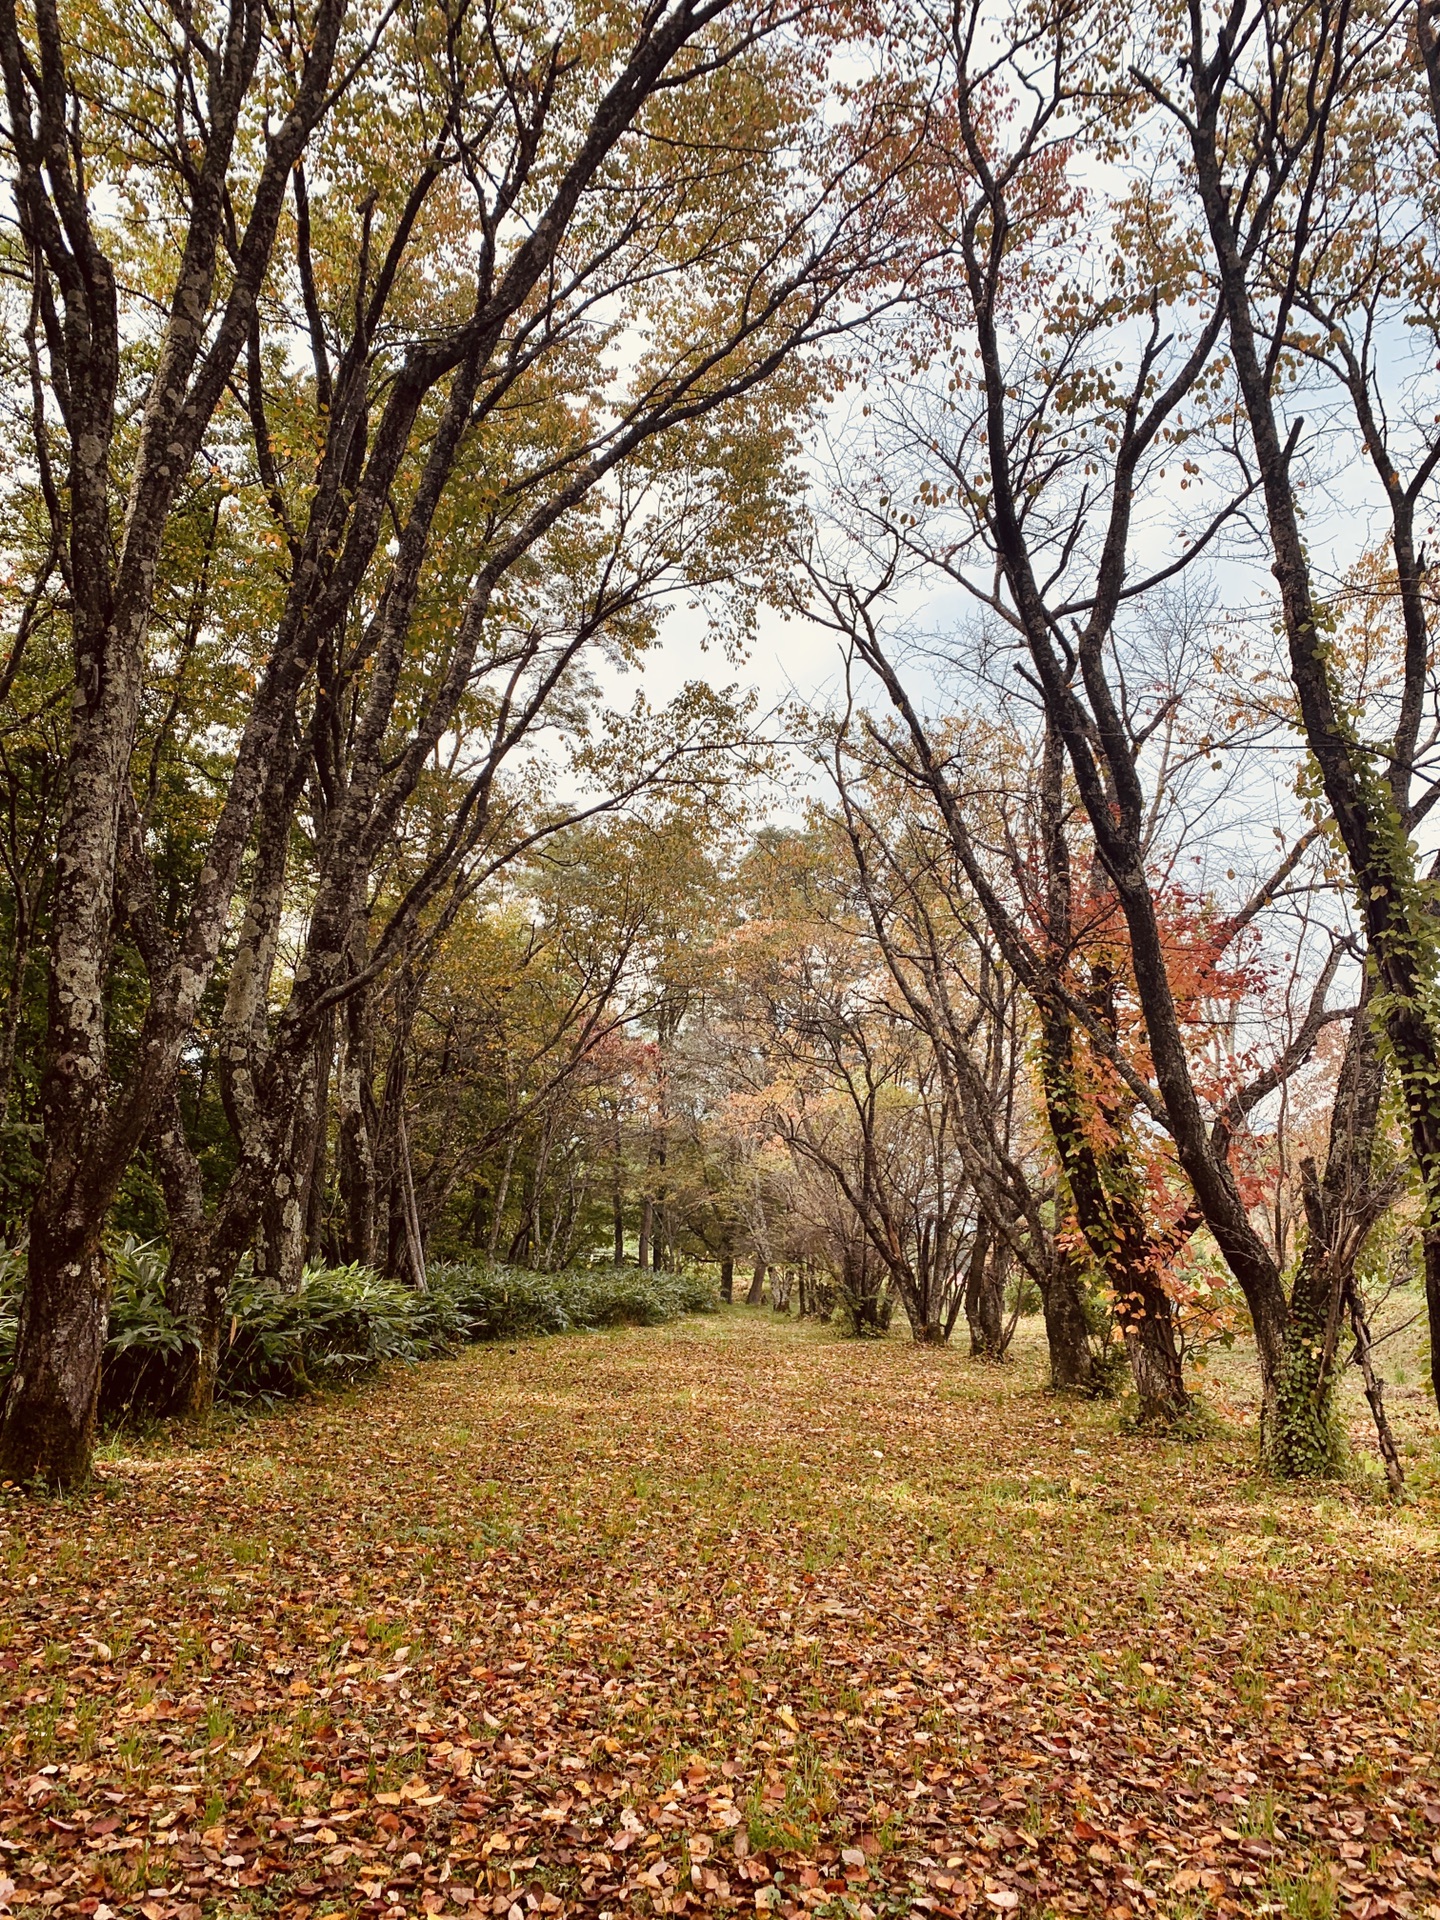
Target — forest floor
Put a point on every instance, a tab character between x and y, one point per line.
731	1614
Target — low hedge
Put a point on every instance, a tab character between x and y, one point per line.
506	1303
342	1323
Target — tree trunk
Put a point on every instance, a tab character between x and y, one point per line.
727	1280
647	1220
356	1150
1147	1321
578	1198
502	1194
202	1267
316	1174
984	1297
1067	1330
197	1286
15	991
192	1290
290	1231
49	1413
617	1184
1299	1435
756	1294
414	1241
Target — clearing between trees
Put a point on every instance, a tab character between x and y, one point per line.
729	1614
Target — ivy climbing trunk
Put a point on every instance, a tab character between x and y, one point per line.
1341	1206
1369	806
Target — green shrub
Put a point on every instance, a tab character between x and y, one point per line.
12	1279
508	1303
144	1336
339	1325
342	1323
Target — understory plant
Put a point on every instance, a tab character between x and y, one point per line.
342	1323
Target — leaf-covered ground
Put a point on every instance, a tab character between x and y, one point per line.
727	1615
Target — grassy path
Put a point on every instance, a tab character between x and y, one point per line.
728	1615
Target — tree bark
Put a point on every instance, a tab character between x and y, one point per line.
358	1186
502	1195
984	1297
1147	1322
292	1233
50	1406
1301	1439
316	1248
1067	1327
191	1287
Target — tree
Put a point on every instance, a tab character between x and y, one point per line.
185	102
1315	195
844	1079
545	186
1023	482
1050	932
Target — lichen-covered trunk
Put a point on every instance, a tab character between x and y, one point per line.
315	1179
289	1229
49	1414
191	1292
197	1287
48	1428
205	1257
